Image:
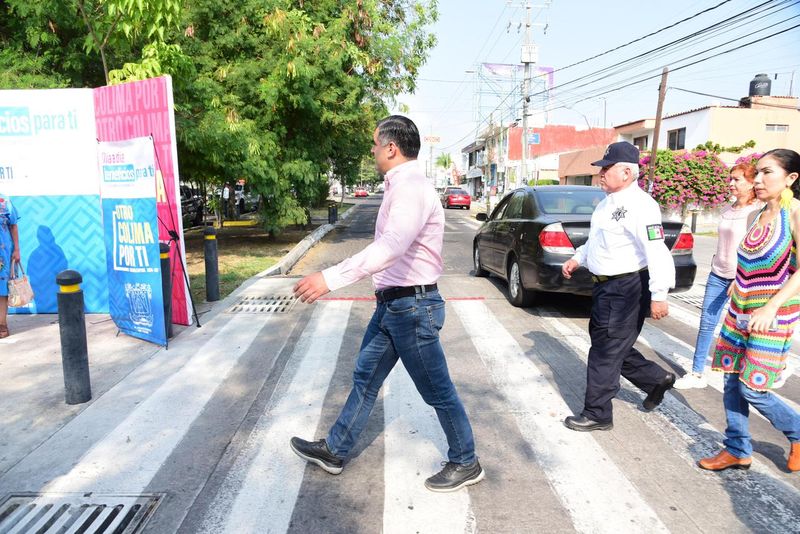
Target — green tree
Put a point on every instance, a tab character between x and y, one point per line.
444	161
281	93
74	43
303	85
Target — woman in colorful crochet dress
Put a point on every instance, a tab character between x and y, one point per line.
9	252
733	225
758	328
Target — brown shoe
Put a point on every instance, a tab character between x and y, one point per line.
725	460
3	331
794	457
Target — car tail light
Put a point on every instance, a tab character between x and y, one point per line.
685	242
554	239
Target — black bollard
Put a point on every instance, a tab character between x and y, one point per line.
72	327
333	213
212	266
166	288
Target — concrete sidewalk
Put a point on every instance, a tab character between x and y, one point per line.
32	405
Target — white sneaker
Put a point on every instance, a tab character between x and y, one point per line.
788	370
690	381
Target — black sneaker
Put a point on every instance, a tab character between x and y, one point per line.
455	476
655	397
317	452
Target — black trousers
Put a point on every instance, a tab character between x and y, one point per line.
619	307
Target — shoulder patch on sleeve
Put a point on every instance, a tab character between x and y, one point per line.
655	232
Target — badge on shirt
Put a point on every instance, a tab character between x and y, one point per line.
619	213
655	232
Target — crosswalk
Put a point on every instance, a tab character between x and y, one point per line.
522	370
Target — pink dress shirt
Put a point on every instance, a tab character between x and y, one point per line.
407	250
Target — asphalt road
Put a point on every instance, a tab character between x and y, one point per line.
203	429
519	372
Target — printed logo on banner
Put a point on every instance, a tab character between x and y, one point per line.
140	300
131	238
20	121
128	189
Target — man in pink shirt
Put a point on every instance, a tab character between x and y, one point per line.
405	261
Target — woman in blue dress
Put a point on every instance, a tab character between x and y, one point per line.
9	252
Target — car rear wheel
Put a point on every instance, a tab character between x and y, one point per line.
517	294
476	260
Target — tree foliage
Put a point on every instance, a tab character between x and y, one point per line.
444	161
281	93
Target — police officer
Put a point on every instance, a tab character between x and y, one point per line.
632	270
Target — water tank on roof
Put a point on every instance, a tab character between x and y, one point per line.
760	85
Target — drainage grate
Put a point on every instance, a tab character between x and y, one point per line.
695	299
269	304
51	513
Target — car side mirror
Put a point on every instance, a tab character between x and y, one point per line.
481	216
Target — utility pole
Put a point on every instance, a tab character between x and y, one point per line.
430	158
662	92
528	57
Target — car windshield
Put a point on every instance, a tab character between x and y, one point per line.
456	192
557	202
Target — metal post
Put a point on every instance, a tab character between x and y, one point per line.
694	222
72	328
212	264
333	213
166	288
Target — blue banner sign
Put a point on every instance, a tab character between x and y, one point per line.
130	220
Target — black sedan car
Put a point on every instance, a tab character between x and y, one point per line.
533	230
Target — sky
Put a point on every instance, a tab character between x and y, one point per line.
473	32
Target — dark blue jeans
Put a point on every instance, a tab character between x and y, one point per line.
715	302
737	399
406	328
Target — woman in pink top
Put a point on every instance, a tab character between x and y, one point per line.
732	228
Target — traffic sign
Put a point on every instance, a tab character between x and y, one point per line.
432	139
534	139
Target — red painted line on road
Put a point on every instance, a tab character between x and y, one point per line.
347	298
373	298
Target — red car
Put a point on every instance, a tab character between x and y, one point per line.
360	192
456	197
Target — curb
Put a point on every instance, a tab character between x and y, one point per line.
286	263
300	249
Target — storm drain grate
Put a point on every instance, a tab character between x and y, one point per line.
49	513
695	299
261	304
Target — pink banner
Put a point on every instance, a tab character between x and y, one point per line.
139	109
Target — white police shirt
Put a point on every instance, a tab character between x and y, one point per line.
626	235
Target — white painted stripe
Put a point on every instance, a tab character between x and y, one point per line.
415	447
128	458
692	437
260	490
606	503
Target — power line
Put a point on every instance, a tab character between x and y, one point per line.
687	65
643	37
603	71
732	99
708	49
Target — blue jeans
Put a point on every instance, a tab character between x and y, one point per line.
406	328
737	399
715	302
